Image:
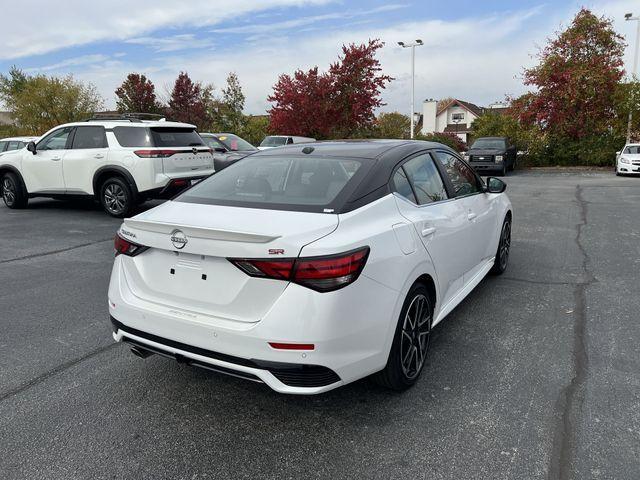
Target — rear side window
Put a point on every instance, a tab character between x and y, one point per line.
313	184
13	145
89	137
402	186
3	146
175	137
213	142
133	136
425	178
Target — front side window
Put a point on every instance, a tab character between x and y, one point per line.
89	137
286	183
56	140
425	178
462	176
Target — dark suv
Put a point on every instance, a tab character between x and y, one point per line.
493	154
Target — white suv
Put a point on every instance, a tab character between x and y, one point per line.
119	162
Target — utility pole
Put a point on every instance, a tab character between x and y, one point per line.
413	46
630	17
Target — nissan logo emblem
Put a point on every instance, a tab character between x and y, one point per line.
194	150
179	239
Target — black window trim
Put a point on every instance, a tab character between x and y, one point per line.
443	172
67	145
443	177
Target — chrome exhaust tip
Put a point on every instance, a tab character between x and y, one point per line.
141	352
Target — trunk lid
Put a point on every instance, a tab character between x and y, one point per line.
187	269
188	160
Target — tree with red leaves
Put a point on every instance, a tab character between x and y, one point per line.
189	102
137	94
335	104
576	80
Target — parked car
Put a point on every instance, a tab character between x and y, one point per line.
272	141
628	160
14	143
119	162
492	154
227	148
310	266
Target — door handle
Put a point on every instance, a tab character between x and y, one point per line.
428	231
471	216
56	159
99	155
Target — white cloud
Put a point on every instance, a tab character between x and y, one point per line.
173	43
71	62
46	26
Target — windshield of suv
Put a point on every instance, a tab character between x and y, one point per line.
235	143
632	149
212	142
273	141
285	183
494	143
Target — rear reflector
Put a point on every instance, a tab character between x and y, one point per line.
155	153
292	346
126	247
322	274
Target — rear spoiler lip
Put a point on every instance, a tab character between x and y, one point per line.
198	232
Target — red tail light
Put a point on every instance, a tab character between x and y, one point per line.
126	247
155	153
322	274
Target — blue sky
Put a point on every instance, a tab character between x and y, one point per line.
474	50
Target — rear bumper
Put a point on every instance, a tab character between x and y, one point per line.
281	376
173	187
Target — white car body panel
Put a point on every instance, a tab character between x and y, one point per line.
163	291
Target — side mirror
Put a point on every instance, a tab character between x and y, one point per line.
495	185
31	146
618	153
220	150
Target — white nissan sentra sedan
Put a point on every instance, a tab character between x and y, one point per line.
310	266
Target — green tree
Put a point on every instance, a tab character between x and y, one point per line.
391	125
231	117
255	128
449	139
39	103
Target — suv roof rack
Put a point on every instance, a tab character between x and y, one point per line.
136	117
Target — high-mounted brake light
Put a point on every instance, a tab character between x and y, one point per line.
322	274
155	153
127	247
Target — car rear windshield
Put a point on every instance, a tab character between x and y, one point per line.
273	141
235	143
312	184
489	143
157	137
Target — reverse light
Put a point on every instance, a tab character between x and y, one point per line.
155	153
323	274
127	247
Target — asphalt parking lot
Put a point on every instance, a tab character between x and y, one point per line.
535	375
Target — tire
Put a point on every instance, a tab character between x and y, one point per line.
13	193
116	197
504	245
398	375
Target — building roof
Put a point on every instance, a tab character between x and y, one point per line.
476	110
457	128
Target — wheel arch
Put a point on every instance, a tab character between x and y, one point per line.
430	284
109	171
10	168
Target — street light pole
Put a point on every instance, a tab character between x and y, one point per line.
629	17
413	46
